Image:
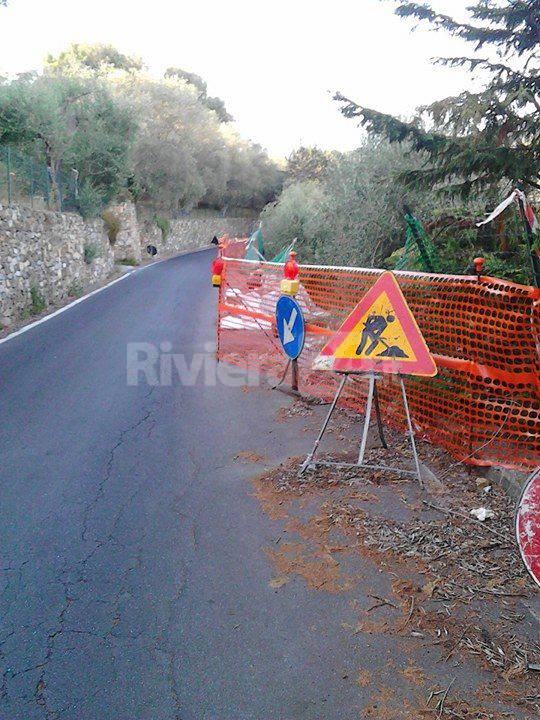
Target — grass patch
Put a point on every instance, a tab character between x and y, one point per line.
129	261
91	252
76	290
164	225
113	225
38	303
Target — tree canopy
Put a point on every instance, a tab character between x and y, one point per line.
91	60
94	113
355	215
307	163
476	139
179	154
69	121
212	103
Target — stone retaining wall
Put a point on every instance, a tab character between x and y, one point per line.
191	233
45	251
128	241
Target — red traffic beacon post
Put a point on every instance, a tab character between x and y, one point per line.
290	284
528	526
479	266
217	271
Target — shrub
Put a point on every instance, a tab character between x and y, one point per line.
38	303
113	225
90	201
75	290
297	214
91	252
355	216
512	265
164	225
128	261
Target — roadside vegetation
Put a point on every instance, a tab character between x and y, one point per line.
38	303
92	126
452	163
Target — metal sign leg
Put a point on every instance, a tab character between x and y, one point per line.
311	455
411	431
294	380
379	419
367	419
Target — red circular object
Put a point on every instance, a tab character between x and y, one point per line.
217	266
291	267
528	526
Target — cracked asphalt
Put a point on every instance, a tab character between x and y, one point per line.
133	584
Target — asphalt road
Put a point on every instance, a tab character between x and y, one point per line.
134	585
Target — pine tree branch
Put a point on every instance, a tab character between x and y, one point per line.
462	163
520	22
470	33
474	63
392	128
474	139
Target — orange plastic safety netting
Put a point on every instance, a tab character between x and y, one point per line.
484	404
232	247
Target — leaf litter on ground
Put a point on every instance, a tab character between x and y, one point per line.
459	582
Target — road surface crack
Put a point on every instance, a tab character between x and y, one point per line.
41	686
108	471
171	654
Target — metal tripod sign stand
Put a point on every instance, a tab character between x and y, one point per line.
379	336
372	400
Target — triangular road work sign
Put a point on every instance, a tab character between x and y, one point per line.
380	334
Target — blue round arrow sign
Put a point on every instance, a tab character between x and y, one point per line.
290	326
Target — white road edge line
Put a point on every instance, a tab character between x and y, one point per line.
76	302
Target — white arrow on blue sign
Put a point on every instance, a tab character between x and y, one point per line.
290	326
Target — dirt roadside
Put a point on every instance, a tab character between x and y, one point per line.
453	607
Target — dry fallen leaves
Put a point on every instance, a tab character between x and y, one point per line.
454	583
279	581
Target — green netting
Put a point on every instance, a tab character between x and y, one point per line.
420	252
25	180
255	246
283	255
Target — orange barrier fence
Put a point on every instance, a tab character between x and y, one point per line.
233	247
484	404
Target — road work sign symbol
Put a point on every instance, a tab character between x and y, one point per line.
290	326
380	334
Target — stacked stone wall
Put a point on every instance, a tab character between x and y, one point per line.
51	256
48	256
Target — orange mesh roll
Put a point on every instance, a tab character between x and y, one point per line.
232	247
484	404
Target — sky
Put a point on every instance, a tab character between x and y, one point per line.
276	64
